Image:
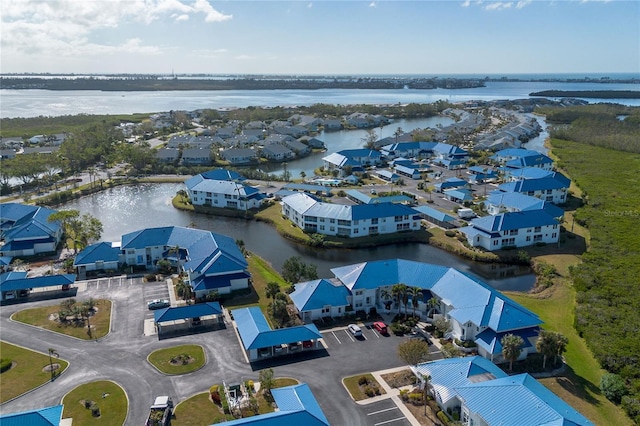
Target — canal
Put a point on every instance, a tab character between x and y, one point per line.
126	209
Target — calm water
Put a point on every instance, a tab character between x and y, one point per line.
127	209
33	103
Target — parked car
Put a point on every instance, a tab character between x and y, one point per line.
196	321
381	327
355	330
307	344
295	346
278	349
158	304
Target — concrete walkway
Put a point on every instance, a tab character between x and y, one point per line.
391	393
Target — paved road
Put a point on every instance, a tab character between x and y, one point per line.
121	357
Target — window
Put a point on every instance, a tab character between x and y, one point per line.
398	218
332	221
553	235
495	242
321	227
374	221
359	292
513	232
549	191
528	237
373	230
537	238
355	231
538	229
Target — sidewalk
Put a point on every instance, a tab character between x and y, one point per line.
391	393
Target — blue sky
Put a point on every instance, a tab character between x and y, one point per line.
320	37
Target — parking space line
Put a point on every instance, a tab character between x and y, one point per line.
389	421
334	335
349	335
382	411
375	333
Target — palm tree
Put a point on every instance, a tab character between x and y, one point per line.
405	299
183	289
397	290
385	295
511	348
426	385
546	345
561	345
433	304
416	292
54	353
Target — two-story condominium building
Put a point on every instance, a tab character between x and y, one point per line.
211	261
205	190
475	311
314	216
501	202
444	154
518	158
26	231
512	229
552	188
357	159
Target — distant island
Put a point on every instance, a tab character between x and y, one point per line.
160	83
595	94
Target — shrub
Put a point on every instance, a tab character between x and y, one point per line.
404	394
613	387
450	233
150	277
363	380
443	417
368	390
5	364
416	398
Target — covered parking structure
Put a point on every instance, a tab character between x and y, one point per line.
204	316
15	283
260	341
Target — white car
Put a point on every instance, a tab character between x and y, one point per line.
355	330
158	304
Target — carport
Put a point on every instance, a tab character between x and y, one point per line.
12	283
260	341
184	318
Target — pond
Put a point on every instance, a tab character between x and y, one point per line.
129	208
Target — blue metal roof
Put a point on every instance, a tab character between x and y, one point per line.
188	311
48	416
379	210
554	181
256	333
433	213
307	187
5	260
518	400
489	340
317	294
513	220
97	252
529	161
460	194
371	275
514	153
449	373
203	283
11	281
522	202
296	406
528	173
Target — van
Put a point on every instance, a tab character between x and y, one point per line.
466	213
355	330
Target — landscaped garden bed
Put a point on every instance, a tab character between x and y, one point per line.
363	386
178	359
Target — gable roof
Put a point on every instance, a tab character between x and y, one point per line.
103	251
296	406
256	333
11	281
449	373
518	400
554	181
513	220
317	294
188	311
48	416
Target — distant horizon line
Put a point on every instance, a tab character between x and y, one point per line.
635	74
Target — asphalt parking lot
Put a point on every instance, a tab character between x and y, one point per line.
384	412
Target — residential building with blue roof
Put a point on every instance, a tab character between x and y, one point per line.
484	395
103	256
512	229
224	189
471	306
47	416
508	154
295	404
525	173
459	195
435	216
320	298
361	220
501	202
553	188
260	341
26	231
450	183
211	261
355	159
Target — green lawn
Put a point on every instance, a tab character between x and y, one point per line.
161	359
27	372
41	317
106	395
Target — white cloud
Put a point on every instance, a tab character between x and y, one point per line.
466	3
499	5
310	5
523	3
373	4
68	28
